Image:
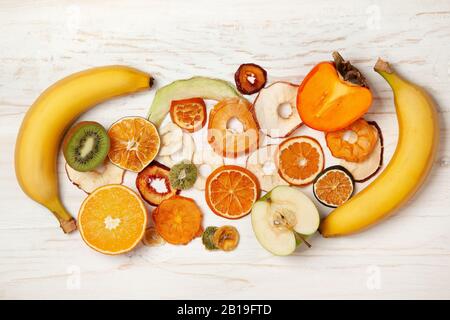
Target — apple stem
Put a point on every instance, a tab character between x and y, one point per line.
304	241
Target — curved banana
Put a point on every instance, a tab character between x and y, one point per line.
51	114
408	168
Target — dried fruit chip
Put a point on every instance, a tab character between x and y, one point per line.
152	238
182	176
354	143
334	186
232	128
134	143
300	160
178	220
226	238
231	191
188	114
250	78
207	238
154	185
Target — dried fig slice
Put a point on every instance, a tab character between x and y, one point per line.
250	78
154	185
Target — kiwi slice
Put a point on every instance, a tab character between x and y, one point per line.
182	176
86	146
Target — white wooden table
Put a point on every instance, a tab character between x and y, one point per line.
407	256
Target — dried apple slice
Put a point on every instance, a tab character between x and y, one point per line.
276	111
366	169
88	181
232	128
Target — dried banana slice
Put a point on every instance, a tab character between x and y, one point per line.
206	161
171	139
185	153
263	165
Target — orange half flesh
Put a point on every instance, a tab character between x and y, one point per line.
112	219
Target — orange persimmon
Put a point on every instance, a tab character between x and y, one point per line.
333	95
178	220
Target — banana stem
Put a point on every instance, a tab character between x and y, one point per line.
67	222
384	69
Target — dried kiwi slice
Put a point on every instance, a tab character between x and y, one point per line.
86	146
334	186
182	176
250	78
207	238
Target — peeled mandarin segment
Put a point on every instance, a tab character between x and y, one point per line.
178	220
112	219
327	103
353	151
134	143
228	142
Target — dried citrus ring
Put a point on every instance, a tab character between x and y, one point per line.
188	114
226	238
250	78
334	186
112	219
178	220
231	190
134	143
228	141
300	160
354	143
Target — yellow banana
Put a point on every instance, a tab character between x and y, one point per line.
409	166
51	114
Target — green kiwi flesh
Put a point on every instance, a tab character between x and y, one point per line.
85	146
182	176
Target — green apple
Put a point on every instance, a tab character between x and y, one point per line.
283	218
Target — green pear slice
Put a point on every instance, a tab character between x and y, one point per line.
280	215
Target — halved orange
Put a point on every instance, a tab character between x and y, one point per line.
300	160
135	143
178	220
112	219
231	191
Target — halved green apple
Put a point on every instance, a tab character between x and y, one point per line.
283	218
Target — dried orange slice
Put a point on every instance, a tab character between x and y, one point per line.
232	128
231	191
134	143
178	220
334	186
112	219
300	160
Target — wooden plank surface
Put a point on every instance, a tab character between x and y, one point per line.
408	256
